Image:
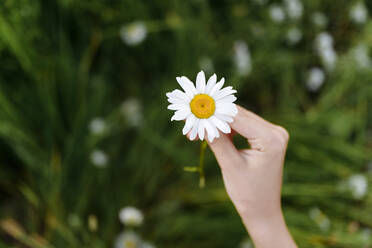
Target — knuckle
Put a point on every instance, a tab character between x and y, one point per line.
278	139
283	132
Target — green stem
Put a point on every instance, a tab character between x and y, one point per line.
203	146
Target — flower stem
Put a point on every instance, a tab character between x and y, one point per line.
203	146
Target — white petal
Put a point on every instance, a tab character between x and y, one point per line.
211	130
177	106
218	133
217	87
211	83
224	117
181	114
179	95
226	99
201	129
224	92
223	126
227	109
168	94
194	130
189	124
200	82
176	100
187	86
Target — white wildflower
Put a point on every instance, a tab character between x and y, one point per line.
320	219
315	79
324	41
361	56
242	58
206	107
99	158
97	126
131	216
358	185
325	49
132	111
314	213
319	19
134	33
294	8
128	239
324	224
329	58
359	13
294	35
277	13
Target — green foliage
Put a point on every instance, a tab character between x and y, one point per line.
63	64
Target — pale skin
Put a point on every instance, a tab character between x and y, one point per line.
253	177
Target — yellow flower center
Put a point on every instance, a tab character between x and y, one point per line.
202	106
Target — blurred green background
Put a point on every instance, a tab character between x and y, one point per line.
84	129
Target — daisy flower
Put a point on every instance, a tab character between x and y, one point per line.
207	108
131	216
360	54
320	219
315	79
242	58
277	13
133	33
358	186
131	109
99	158
97	126
294	35
294	8
128	239
325	48
359	13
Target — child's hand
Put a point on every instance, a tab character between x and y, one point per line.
253	177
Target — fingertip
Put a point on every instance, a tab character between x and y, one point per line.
188	137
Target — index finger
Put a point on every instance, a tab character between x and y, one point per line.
249	125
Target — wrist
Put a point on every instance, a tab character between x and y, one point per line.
264	220
250	212
268	230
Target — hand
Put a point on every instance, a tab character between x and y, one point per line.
253	177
